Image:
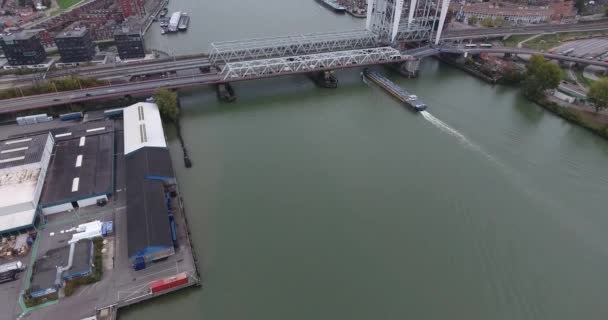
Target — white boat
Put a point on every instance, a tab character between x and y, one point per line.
174	21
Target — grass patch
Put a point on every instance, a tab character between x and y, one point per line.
72	285
548	41
512	41
64	4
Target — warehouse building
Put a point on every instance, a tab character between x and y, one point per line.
24	164
81	171
44	276
151	232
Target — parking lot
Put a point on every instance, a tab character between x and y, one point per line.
596	48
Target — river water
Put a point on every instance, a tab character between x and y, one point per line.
309	203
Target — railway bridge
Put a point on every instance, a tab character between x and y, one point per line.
391	25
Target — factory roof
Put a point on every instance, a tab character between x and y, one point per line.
81	167
45	272
143	127
21	151
147	217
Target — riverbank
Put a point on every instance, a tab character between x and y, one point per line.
592	121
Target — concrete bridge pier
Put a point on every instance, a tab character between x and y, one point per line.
410	68
324	79
225	92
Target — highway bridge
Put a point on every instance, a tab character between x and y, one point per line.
552	56
277	56
235	71
483	33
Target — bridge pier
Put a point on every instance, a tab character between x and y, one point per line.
225	92
410	68
324	79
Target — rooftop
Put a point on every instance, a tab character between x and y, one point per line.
143	127
147	216
45	268
72	33
21	151
23	35
83	153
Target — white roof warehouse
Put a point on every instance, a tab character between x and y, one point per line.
23	166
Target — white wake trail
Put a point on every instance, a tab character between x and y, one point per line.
453	132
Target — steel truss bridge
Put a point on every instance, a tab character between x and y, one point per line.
235	71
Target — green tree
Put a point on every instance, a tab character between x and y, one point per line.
535	63
473	20
167	104
487	22
598	94
542	75
549	75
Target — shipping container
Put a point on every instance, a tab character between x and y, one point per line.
71	116
168	283
113	113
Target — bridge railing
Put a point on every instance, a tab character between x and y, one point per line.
242	70
304	44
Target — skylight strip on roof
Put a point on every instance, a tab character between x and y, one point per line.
12	159
75	184
18	141
61	135
14	150
79	161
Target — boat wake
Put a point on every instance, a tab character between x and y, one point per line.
453	132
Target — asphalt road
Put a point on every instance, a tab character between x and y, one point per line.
105	92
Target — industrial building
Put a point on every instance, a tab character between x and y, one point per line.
81	171
151	230
23	48
75	45
45	275
23	167
130	42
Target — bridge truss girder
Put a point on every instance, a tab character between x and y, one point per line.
413	33
235	71
305	44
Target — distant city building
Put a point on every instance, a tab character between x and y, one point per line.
132	7
23	48
517	13
129	42
510	12
75	45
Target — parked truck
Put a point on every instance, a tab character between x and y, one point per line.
8	271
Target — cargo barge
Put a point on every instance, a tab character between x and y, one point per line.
332	5
184	21
405	97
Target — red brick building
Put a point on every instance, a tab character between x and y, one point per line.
132	7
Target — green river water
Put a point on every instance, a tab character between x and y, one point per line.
309	203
